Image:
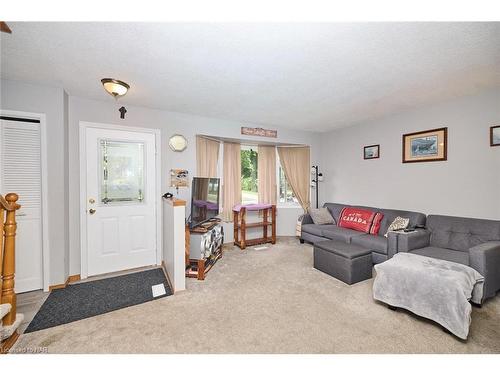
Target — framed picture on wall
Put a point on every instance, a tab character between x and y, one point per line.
371	152
495	136
427	145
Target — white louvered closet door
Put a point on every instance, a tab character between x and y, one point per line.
20	172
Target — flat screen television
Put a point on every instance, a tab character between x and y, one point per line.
204	200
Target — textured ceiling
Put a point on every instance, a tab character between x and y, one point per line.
305	76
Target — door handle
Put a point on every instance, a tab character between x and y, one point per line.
91	211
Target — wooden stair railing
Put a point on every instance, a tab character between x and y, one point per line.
8	208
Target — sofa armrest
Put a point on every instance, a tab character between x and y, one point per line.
485	259
392	244
306	219
413	240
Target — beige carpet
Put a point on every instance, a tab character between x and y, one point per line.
267	301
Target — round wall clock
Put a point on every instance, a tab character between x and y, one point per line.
177	142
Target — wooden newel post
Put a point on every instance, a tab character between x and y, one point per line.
2	210
9	259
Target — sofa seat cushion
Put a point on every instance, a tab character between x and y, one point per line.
340	234
372	242
316	229
445	254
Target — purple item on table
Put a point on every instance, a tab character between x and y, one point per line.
252	207
208	205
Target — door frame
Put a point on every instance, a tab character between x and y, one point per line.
84	125
45	196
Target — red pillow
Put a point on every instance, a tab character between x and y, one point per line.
376	223
360	220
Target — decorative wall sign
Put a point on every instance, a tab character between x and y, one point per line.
260	132
371	152
495	136
177	143
428	145
179	178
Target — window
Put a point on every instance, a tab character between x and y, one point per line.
122	171
285	192
249	182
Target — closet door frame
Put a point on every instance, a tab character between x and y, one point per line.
44	177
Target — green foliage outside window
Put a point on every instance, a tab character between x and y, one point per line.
249	181
249	170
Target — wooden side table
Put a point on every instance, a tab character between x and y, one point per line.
241	226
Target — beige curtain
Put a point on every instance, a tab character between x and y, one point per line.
207	157
231	188
266	174
297	167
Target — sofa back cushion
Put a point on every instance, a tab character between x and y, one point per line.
416	218
461	233
321	216
335	209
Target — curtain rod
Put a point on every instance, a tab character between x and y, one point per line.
207	137
248	142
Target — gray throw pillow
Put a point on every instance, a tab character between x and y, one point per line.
398	224
321	216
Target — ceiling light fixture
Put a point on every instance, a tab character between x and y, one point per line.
114	87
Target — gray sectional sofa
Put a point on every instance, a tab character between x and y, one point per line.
473	242
383	247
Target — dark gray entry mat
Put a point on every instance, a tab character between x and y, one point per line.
80	301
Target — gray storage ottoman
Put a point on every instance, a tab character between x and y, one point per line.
346	262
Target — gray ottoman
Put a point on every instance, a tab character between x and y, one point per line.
346	262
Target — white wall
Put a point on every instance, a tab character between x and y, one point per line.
468	184
169	123
18	96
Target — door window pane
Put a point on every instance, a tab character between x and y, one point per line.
122	171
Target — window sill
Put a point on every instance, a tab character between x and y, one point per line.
296	206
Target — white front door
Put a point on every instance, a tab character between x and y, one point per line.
121	201
20	172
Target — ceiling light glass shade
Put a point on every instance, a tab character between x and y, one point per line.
115	87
